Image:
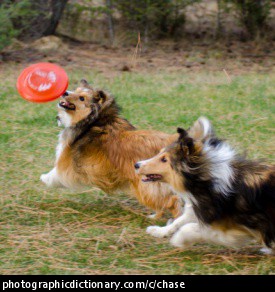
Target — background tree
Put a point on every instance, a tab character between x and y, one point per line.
57	8
109	6
159	18
44	21
154	19
253	14
10	11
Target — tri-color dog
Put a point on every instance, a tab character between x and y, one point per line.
230	200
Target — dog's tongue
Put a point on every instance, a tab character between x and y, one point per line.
65	103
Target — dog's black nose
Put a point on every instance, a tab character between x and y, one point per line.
137	166
66	93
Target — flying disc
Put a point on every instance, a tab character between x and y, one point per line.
42	82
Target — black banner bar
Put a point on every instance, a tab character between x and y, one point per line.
142	282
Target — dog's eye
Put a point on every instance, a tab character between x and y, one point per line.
82	98
163	159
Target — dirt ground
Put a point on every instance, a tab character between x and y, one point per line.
232	57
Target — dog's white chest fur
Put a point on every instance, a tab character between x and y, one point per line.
60	146
52	178
65	119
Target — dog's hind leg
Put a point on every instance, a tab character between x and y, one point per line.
51	179
192	233
187	235
146	195
175	206
187	217
267	251
171	203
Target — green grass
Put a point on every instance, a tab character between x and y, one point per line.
44	231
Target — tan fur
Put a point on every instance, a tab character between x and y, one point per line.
254	180
239	231
108	161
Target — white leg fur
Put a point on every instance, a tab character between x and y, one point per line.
192	233
267	251
187	235
51	179
187	217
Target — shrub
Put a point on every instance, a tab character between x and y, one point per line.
155	17
10	10
253	14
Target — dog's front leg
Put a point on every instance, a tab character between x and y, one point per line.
51	179
188	216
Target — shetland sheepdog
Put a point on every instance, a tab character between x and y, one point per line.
98	148
230	200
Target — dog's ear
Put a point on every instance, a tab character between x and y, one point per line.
84	83
186	142
201	130
187	146
99	97
182	133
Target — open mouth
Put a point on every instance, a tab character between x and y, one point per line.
67	105
151	177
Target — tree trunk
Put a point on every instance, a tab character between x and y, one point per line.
110	21
44	21
218	20
57	10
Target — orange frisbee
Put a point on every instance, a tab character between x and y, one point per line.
42	82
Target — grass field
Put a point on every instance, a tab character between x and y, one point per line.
45	231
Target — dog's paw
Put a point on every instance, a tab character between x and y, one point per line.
157	231
45	178
49	180
267	251
152	216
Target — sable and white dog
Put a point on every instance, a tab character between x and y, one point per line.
230	200
98	147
